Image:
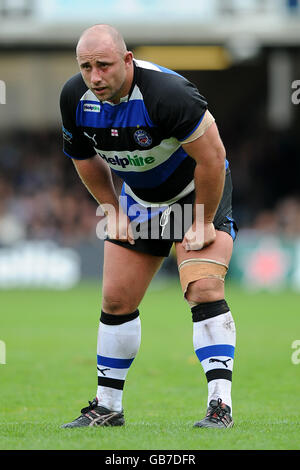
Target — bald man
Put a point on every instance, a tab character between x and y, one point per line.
152	129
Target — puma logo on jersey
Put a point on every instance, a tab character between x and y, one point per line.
92	138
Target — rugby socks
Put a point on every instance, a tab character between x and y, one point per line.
119	338
214	344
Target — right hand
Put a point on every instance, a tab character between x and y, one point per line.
119	228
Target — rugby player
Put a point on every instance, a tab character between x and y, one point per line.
152	128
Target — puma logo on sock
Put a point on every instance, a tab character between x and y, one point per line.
102	371
213	359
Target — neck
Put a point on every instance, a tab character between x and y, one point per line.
125	89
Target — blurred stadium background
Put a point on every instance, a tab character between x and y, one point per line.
244	55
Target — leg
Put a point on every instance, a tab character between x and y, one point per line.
213	325
126	276
209	289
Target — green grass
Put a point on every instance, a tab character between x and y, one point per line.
50	373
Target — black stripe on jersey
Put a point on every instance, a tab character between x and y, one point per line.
124	139
172	186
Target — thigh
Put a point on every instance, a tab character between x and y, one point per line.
220	250
126	276
207	289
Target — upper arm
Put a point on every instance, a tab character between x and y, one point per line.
182	112
175	105
208	148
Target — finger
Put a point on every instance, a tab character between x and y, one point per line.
185	244
131	240
130	235
186	247
195	246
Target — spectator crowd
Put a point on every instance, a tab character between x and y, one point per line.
42	197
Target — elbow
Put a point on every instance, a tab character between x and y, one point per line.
220	155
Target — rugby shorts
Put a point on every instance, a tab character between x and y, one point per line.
172	223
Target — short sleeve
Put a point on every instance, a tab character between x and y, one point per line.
181	108
75	145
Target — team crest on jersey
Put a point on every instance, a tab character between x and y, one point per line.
142	138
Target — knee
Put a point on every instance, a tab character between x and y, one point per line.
117	303
205	290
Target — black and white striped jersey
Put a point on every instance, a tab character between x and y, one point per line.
139	138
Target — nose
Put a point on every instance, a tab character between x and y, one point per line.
96	76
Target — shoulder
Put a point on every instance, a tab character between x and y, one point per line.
166	92
173	102
163	84
74	84
72	91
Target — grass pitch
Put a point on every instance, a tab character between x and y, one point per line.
50	373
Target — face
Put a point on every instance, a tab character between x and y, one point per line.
105	70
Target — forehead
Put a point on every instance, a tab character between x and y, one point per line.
96	48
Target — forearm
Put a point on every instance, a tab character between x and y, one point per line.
209	153
209	183
96	176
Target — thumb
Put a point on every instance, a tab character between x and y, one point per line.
130	235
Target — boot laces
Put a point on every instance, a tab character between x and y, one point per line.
216	412
92	405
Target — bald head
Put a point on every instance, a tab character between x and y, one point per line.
105	64
101	34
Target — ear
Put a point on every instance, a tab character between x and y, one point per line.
128	58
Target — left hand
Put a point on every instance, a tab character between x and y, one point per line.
198	239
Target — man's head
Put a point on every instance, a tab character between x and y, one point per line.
105	64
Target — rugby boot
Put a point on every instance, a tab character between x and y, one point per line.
217	416
94	415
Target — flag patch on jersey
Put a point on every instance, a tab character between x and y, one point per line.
93	108
114	132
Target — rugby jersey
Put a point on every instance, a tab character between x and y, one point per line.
140	137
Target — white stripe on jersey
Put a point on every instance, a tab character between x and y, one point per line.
146	65
137	159
136	94
187	190
89	96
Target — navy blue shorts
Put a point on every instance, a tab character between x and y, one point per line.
177	224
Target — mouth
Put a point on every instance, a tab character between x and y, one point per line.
99	90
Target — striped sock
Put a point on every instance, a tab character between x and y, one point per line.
214	344
119	340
